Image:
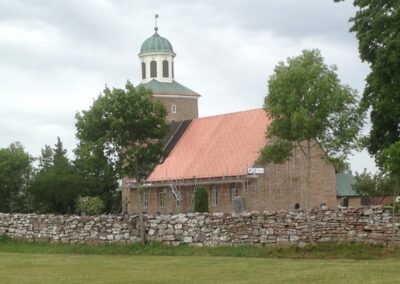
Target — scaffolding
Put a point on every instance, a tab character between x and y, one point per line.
174	186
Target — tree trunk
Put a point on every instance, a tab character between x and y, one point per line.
308	185
141	221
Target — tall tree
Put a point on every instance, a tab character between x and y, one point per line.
56	186
126	126
46	158
308	107
15	176
376	25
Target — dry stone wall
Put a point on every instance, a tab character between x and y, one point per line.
369	225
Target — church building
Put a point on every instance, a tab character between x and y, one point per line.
219	153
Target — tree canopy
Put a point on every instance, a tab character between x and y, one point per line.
307	102
97	177
308	107
373	185
376	25
15	176
56	186
125	126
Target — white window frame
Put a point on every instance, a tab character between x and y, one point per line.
234	191
173	108
214	196
161	198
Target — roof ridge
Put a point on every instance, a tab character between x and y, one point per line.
229	113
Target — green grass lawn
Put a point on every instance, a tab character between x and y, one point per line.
43	262
70	268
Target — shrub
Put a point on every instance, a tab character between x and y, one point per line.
90	205
201	200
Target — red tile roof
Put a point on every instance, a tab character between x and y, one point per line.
216	146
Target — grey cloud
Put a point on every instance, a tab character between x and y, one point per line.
58	55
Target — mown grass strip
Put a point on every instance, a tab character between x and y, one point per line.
317	251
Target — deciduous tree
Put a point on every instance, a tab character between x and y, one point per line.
309	107
376	25
15	176
126	126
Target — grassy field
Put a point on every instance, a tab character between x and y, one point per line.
60	268
43	262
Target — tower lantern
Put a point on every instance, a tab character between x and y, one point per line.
157	70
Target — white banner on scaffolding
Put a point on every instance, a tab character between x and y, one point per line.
253	171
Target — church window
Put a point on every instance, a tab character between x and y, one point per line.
145	198
214	196
143	70
173	108
161	197
234	191
153	69
165	68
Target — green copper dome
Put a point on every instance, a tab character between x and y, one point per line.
156	43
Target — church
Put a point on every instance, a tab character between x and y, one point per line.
219	153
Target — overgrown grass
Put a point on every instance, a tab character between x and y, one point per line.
318	251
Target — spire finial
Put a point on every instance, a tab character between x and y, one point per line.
155	20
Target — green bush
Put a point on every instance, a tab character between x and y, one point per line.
201	200
90	205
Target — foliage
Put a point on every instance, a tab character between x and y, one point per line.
306	101
15	175
376	25
56	186
201	200
97	177
90	205
309	107
125	126
276	151
371	185
389	159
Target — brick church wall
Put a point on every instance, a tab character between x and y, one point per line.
281	187
185	108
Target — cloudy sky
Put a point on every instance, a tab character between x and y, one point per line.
57	56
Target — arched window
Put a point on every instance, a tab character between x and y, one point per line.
143	70
165	68
153	69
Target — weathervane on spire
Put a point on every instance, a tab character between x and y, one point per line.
155	19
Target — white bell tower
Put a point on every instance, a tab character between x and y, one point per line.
157	58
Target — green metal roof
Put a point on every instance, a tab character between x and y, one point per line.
344	184
173	88
156	43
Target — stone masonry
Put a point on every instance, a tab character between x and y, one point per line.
368	225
